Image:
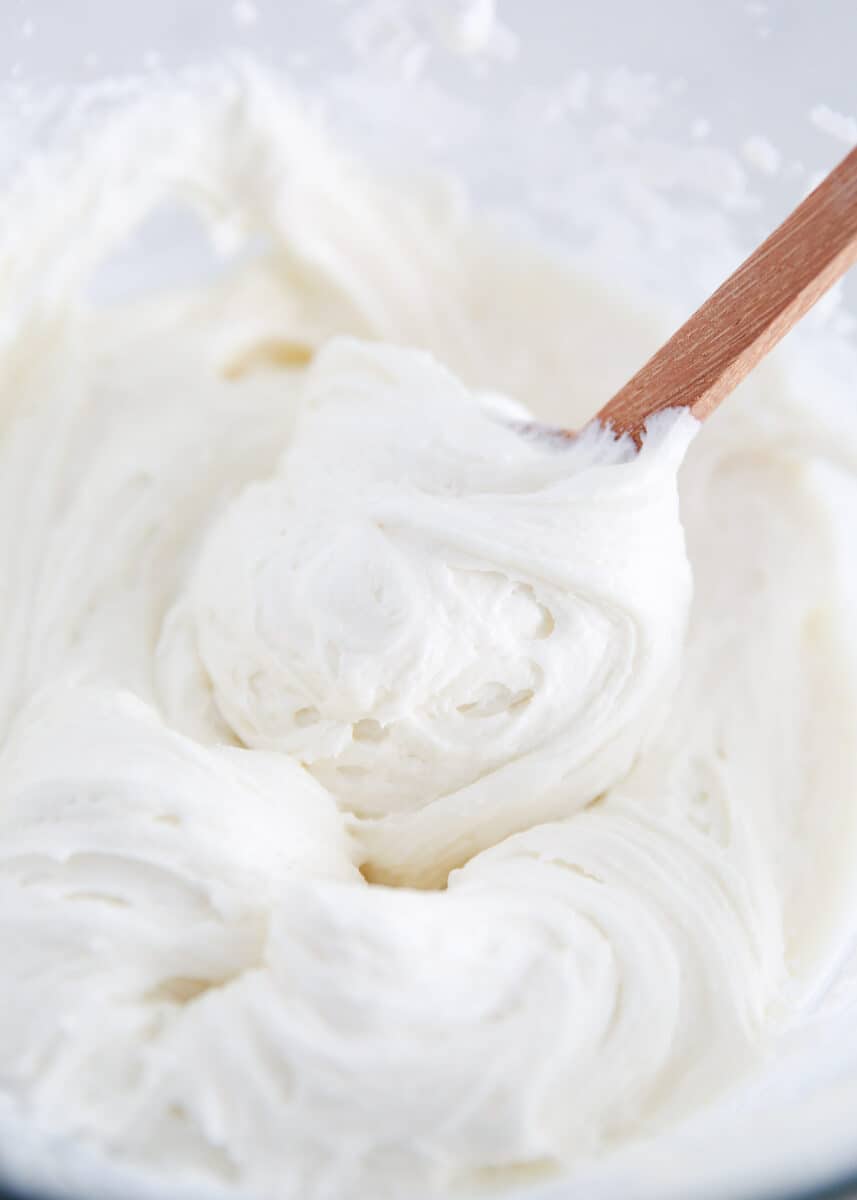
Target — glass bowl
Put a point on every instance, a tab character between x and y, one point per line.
754	95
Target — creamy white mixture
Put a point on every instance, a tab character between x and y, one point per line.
392	798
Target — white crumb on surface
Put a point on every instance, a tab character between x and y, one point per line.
473	27
762	154
837	124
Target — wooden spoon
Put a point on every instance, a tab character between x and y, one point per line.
750	312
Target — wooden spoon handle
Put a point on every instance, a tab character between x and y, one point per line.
746	317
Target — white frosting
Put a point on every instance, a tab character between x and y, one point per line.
290	607
461	631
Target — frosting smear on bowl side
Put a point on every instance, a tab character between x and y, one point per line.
392	797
